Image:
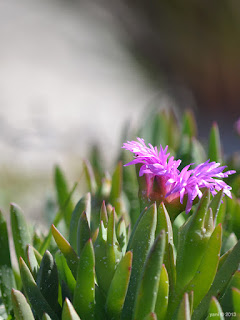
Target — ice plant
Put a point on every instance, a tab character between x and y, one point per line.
172	183
112	260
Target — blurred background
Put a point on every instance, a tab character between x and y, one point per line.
74	72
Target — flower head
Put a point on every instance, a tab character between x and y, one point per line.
154	162
166	183
206	175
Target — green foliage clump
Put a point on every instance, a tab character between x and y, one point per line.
117	257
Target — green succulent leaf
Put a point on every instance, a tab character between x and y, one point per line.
151	316
192	242
107	252
34	295
7	281
32	261
84	293
84	204
164	223
62	191
90	177
100	301
46	317
140	244
206	272
22	309
100	247
162	295
103	214
83	232
184	311
215	310
215	204
222	278
118	288
47	280
189	124
116	189
121	233
69	313
146	295
226	300
20	232
65	272
223	258
229	242
67	250
214	147
114	252
236	300
235	218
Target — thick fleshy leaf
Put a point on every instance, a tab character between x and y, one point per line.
207	269
118	288
215	310
162	295
221	212
235	215
83	232
164	223
192	243
236	300
122	235
46	317
47	280
223	258
100	247
226	301
107	252
222	278
116	189
84	204
189	124
69	313
184	312
22	309
151	316
65	272
229	243
7	281
100	300
215	204
103	214
214	147
146	295
20	232
67	250
130	186
114	252
62	190
140	244
58	217
32	261
34	295
90	177
84	293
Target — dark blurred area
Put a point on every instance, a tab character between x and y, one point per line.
191	45
194	43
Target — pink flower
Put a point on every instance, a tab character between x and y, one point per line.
164	182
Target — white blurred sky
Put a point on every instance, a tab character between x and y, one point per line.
65	79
